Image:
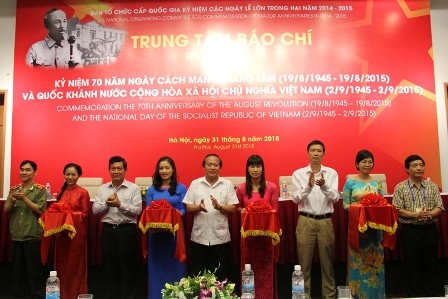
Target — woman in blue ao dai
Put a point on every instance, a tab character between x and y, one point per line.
163	267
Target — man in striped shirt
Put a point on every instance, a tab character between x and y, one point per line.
419	204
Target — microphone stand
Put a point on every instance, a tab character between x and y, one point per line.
71	41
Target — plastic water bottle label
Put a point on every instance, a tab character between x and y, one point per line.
52	292
285	193
52	296
298	288
248	287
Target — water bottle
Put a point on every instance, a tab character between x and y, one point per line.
52	290
284	190
248	283
298	283
48	191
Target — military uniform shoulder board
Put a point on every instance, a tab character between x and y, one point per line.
40	186
16	187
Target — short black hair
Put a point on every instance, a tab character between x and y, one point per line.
314	142
212	155
411	158
32	163
118	159
363	154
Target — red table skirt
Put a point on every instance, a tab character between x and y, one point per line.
55	223
265	224
167	219
261	224
381	218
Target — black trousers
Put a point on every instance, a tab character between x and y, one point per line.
120	260
28	272
210	258
419	247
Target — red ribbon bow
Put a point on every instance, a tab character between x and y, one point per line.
259	206
59	207
159	204
373	200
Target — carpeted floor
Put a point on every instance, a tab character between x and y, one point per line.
395	283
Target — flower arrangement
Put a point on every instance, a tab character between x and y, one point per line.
204	285
143	192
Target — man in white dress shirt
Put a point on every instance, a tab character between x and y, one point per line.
315	190
119	202
211	199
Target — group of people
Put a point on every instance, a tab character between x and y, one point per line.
418	203
25	204
210	199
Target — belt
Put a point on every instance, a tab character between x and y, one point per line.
118	225
319	217
419	226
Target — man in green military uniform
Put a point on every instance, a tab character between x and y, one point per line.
25	203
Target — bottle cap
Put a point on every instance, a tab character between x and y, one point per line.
297	268
53	273
247	267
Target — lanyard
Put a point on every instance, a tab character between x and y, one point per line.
413	196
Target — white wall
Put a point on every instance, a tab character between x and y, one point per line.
439	24
7	36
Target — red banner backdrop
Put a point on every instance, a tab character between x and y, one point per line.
185	79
